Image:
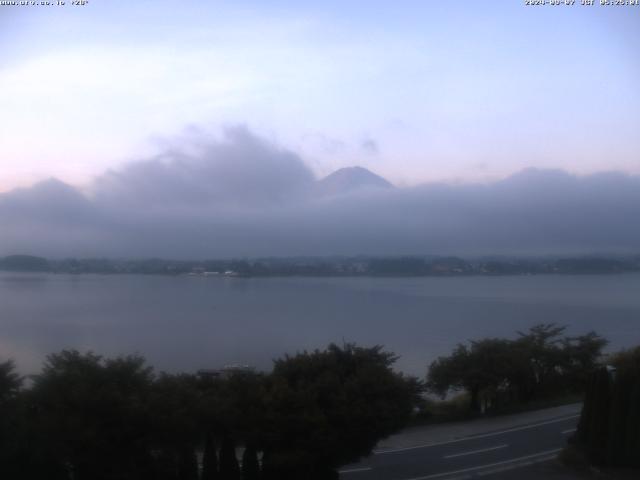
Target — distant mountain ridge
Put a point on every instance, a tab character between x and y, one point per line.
349	179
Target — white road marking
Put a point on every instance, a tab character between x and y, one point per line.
473	437
355	470
548	453
571	430
515	465
476	451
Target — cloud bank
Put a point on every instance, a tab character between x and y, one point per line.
244	196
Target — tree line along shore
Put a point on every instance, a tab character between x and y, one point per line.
329	266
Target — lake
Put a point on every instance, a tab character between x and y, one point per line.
185	323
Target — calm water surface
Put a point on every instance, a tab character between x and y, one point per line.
185	323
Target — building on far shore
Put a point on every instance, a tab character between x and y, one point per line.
225	372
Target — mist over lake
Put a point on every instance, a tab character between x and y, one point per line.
184	323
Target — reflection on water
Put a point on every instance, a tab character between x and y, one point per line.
185	323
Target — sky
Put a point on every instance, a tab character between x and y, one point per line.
201	129
243	196
418	91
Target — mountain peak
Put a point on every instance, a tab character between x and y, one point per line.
348	179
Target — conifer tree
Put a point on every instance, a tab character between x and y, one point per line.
229	468
188	467
210	459
618	414
599	421
632	437
250	465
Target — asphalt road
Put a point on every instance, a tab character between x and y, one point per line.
481	455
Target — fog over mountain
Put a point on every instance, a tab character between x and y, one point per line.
350	179
244	196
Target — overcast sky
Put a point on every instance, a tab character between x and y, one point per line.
417	91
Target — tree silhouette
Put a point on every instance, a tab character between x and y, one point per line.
87	417
10	381
609	427
229	468
91	414
328	408
250	464
209	459
540	363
